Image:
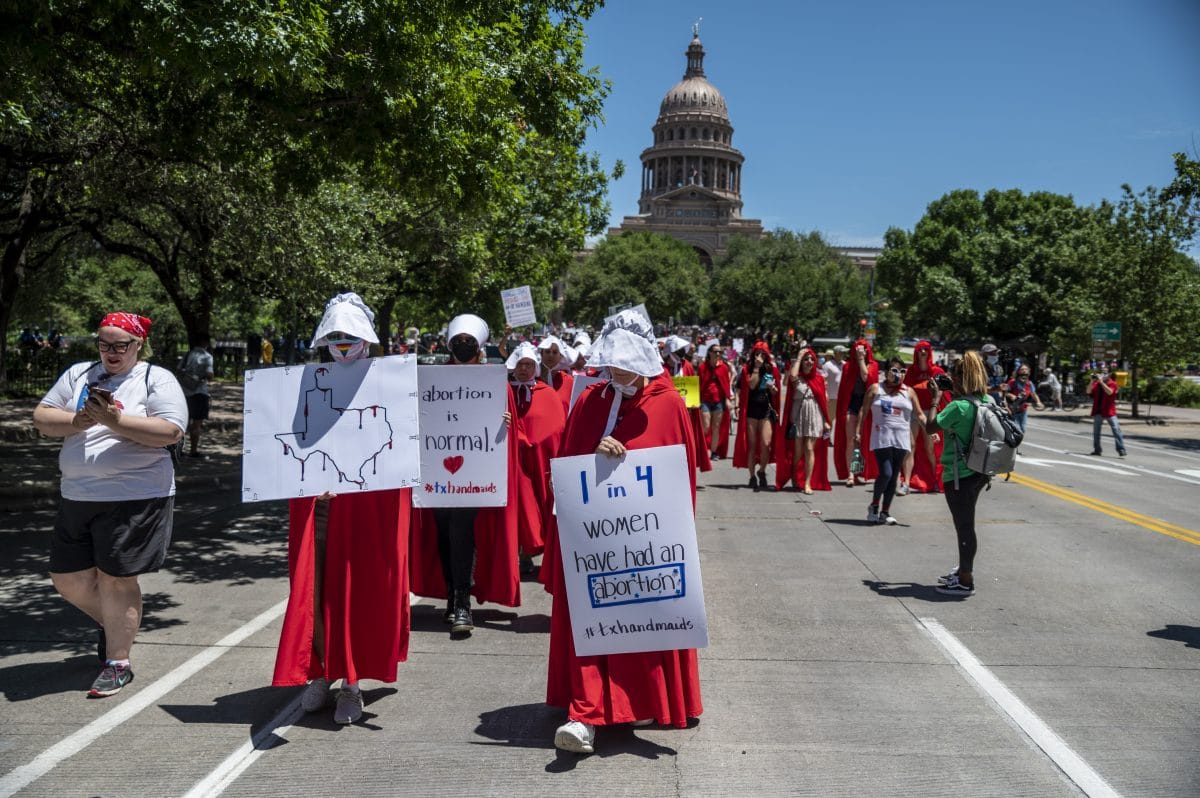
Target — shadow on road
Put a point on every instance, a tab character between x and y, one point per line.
913	590
1189	635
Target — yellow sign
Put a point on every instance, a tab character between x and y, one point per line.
689	389
1122	378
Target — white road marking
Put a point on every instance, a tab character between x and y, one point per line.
236	763
1093	466
1127	427
1141	469
44	762
1189	472
1076	769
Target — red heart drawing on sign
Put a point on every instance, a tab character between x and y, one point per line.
454	463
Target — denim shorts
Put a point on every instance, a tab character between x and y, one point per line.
713	407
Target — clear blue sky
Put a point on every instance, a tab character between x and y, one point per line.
853	117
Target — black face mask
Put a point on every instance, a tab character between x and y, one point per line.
465	351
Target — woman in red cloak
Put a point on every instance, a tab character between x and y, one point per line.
860	372
922	469
715	393
539	426
459	552
555	369
804	459
638	409
348	610
678	364
758	422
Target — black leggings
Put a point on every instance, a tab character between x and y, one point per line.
961	501
456	546
890	460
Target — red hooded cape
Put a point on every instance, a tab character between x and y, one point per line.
740	455
620	688
563	381
703	460
365	590
497	575
723	377
926	476
785	468
539	425
850	375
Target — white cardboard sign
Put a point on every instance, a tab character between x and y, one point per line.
627	535
463	441
337	427
518	306
581	382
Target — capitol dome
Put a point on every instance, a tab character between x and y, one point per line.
694	94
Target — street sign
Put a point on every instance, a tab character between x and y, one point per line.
1106	331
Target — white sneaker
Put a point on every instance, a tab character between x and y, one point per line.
575	736
902	490
349	706
316	695
886	518
949	577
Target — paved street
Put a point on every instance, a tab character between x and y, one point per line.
835	668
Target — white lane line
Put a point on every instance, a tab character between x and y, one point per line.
1126	427
1077	770
20	777
236	763
1037	461
1141	469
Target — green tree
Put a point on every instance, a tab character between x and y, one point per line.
787	280
633	268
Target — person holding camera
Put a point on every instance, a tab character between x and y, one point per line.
1103	390
759	398
116	416
968	385
1020	394
894	406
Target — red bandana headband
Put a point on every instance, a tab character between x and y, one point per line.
138	326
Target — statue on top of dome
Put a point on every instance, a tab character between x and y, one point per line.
696	28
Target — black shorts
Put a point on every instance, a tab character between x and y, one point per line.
855	404
120	538
758	410
197	407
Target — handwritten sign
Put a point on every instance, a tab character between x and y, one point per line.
628	540
581	381
463	441
640	309
518	306
689	389
337	427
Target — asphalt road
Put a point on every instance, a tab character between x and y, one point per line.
835	668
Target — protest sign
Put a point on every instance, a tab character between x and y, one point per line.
463	441
518	306
336	427
640	309
627	536
738	344
689	390
581	381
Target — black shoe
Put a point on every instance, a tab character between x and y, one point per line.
101	646
1095	453
1121	453
762	480
462	623
449	616
754	482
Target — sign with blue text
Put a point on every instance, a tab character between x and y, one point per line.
330	427
518	306
627	534
463	440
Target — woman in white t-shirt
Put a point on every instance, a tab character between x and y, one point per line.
116	416
894	406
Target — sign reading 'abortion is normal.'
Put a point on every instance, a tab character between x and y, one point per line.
336	427
630	560
463	439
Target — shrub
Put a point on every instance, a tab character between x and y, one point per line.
1174	391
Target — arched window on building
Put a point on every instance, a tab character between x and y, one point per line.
670	135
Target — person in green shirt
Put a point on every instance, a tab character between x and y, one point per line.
962	485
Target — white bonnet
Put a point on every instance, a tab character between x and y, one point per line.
470	324
346	313
524	351
627	342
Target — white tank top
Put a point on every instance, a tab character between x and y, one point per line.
891	420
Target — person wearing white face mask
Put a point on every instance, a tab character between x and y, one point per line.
347	616
995	372
639	408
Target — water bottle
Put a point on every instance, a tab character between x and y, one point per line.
856	461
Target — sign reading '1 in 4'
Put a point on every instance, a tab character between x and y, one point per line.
628	542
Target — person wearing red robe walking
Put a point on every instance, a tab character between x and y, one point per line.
922	469
539	428
348	610
679	364
638	408
557	359
860	372
716	396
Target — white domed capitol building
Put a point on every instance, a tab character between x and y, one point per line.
692	174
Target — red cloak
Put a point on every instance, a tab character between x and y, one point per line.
741	457
563	382
926	476
539	425
497	574
703	460
785	449
620	688
850	375
365	607
722	376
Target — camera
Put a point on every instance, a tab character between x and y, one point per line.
943	382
